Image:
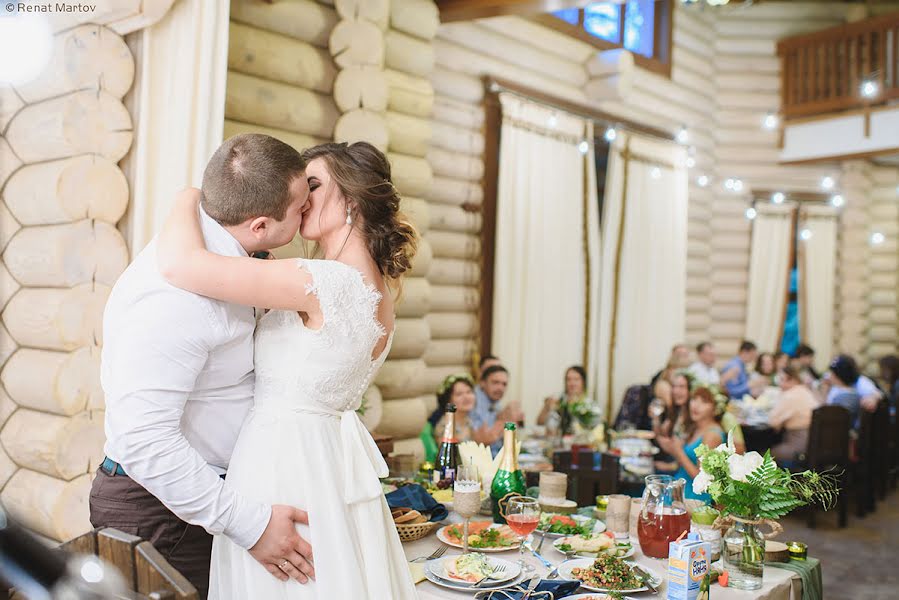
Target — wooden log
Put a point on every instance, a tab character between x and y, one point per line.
454	271
449	352
361	87
7	344
411	174
304	20
456	191
67	255
298	140
416	298
253	100
411	338
10	104
407	54
357	43
83	187
84	122
409	95
88	57
55	382
62	447
446	163
456	139
7	467
8	286
403	418
541	37
419	18
445	217
362	125
376	11
397	378
408	135
457	112
54	508
421	263
454	298
57	319
729	295
727	330
258	52
9	162
374	407
456	85
885	333
882	298
418	211
411	446
446	326
451	244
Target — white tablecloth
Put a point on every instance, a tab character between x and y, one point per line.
778	584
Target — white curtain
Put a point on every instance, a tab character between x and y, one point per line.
541	265
181	106
644	262
817	267
769	266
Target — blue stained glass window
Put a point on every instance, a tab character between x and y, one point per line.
639	21
790	340
569	15
603	19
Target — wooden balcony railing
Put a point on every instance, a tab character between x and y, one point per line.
824	71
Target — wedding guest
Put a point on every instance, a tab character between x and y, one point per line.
486	362
735	377
575	391
703	370
839	385
487	419
457	390
763	375
889	373
675	418
678	359
792	414
705	429
805	362
781	361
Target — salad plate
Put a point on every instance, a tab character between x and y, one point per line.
592	545
436	572
483	536
607	574
557	526
469	569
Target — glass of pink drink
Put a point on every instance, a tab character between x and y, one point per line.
522	516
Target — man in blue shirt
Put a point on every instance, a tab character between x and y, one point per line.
486	419
846	386
734	376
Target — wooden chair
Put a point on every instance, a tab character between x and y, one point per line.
828	448
863	466
592	474
880	456
148	574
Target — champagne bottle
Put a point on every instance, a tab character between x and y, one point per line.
509	480
448	457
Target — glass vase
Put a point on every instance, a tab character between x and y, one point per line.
743	552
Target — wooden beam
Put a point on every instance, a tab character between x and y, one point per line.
467	10
839	157
493	120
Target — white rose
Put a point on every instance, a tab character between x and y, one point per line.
701	482
741	466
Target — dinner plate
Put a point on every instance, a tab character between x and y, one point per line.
583	563
630	551
598	527
464	587
439	569
593	596
443	537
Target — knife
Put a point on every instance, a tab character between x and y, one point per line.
646	578
531	587
545	562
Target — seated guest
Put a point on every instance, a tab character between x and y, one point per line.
575	391
675	418
889	373
839	384
486	362
792	414
763	376
703	370
457	390
735	377
430	434
679	359
487	419
705	429
804	361
781	362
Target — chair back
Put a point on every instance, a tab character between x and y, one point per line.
828	439
589	475
634	411
880	446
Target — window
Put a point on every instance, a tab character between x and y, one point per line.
640	26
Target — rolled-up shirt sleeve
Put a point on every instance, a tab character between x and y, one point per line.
147	375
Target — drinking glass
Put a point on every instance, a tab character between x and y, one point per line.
522	516
467	497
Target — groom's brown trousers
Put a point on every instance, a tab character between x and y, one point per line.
119	502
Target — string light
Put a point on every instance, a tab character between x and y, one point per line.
552	121
837	200
610	134
690	162
805	234
870	89
656	173
877	238
702	180
770	121
778	198
738	185
751	213
682	136
583	147
729	184
827	183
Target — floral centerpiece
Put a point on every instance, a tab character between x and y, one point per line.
751	490
585	412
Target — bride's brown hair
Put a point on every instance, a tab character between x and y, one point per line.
362	173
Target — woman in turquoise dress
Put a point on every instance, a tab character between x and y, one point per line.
704	429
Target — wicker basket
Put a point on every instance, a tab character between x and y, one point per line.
409	532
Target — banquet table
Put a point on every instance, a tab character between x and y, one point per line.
778	584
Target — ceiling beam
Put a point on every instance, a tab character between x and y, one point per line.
467	10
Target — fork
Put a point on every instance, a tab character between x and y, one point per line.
496	571
435	554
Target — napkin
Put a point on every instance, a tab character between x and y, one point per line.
417	570
415	496
809	571
552	589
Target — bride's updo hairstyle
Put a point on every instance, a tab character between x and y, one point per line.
362	173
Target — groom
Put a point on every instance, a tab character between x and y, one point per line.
177	371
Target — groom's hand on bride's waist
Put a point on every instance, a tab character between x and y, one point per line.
281	550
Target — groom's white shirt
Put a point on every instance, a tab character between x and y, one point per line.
177	371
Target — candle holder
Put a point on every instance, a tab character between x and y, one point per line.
797	550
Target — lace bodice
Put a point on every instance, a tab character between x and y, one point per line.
330	367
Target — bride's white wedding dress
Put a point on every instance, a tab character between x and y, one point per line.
304	445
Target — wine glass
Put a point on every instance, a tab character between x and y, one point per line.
522	516
467	497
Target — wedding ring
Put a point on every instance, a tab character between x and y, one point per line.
283	565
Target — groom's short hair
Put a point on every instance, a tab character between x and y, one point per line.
249	176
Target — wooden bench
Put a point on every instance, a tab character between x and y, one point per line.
148	574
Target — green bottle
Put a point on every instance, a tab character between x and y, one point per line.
509	480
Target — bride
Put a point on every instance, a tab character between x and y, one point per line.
316	353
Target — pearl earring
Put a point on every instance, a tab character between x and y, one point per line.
349	217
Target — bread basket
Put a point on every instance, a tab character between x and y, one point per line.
409	532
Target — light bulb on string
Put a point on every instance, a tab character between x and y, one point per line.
656	173
690	162
778	197
751	213
738	185
729	183
770	121
610	134
837	200
805	234
702	180
682	136
877	238
583	147
870	89
827	183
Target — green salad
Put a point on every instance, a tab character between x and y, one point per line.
565	525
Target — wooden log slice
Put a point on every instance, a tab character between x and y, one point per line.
362	125
361	87
57	319
62	447
357	43
54	508
376	11
56	382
